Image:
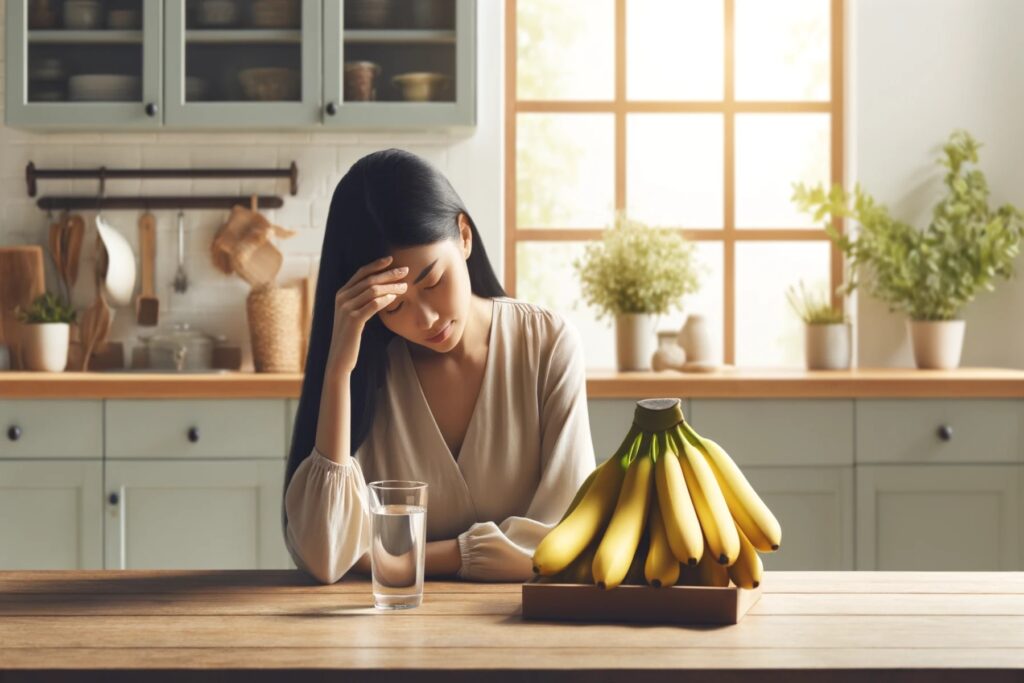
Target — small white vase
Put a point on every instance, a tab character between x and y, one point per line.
695	338
45	346
634	340
937	344
669	354
827	347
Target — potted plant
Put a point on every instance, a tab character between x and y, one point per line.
46	333
633	275
931	274
826	332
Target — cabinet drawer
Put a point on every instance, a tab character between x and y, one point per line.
973	431
195	429
773	432
47	428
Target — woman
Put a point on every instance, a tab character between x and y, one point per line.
420	367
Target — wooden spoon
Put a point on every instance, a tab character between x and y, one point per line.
147	305
76	234
54	243
95	323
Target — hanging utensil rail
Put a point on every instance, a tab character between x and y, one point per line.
102	174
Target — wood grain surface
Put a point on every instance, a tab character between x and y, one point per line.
281	625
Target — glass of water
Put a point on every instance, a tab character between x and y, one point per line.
397	556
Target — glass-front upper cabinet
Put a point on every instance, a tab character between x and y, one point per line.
237	64
399	63
76	63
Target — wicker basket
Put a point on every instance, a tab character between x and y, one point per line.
275	328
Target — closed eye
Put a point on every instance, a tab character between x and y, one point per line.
397	308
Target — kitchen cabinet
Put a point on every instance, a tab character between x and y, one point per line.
87	75
43	428
194	515
815	507
227	64
51	514
436	36
939	517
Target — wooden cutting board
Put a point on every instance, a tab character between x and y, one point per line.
22	279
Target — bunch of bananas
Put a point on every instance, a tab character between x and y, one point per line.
670	507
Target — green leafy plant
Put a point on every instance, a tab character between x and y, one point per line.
812	309
928	274
46	308
637	269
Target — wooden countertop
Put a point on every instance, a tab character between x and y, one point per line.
280	625
729	383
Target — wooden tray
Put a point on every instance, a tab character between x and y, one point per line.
637	604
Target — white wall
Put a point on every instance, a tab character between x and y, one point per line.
215	302
919	69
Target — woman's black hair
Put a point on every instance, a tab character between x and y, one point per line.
387	200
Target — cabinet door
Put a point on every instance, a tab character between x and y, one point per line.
254	67
814	505
78	69
51	514
378	56
938	517
194	515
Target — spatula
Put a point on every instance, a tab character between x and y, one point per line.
147	305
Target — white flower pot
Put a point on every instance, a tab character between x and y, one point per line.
695	338
937	343
827	347
45	346
635	340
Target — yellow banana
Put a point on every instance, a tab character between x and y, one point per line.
578	571
712	510
622	537
568	538
584	487
680	519
747	570
711	573
750	512
661	568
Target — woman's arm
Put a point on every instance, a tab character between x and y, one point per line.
442	559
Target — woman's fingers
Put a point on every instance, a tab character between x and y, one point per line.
373	292
355	287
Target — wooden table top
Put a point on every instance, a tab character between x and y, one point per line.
723	383
280	625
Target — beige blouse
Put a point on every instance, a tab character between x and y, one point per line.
526	451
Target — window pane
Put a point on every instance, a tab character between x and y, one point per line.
565	171
544	275
674	49
772	152
782	50
768	332
566	49
674	169
708	301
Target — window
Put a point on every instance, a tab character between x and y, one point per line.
691	114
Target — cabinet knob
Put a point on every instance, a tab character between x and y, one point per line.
193	434
113	498
14	432
945	432
151	109
331	108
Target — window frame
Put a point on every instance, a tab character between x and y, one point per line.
620	107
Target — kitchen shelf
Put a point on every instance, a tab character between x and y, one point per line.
67	37
229	36
399	36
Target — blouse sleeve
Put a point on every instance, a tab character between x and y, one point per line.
504	551
328	513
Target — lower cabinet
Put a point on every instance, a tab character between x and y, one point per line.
51	514
939	517
194	515
814	505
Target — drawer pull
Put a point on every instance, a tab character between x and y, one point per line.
946	433
113	498
193	434
14	432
